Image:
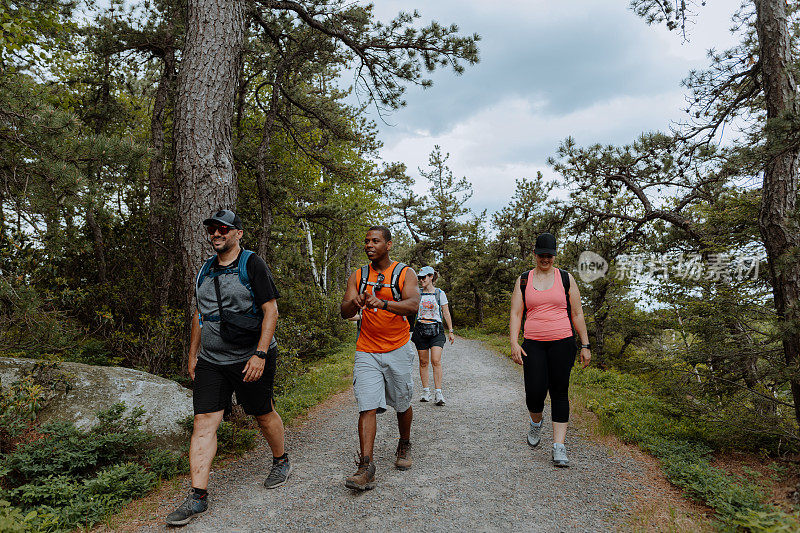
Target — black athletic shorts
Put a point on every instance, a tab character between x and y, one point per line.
425	343
213	385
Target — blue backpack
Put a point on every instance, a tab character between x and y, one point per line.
241	267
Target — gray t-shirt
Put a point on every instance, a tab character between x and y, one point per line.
235	297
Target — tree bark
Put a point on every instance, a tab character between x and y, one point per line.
207	84
162	225
776	220
99	245
262	176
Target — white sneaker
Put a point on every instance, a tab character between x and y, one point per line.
439	398
426	395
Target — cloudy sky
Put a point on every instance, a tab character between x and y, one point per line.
549	69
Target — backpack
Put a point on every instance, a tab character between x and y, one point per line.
241	267
394	284
394	281
523	283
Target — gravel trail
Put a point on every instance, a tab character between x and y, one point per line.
473	469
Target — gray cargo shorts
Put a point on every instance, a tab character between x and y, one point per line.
381	379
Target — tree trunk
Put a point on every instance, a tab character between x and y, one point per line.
478	305
207	85
262	176
162	225
779	191
99	245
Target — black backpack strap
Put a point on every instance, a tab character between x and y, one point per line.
397	271
362	283
565	283
523	284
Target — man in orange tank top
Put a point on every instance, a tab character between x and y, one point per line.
383	368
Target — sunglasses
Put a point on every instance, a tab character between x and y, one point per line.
223	230
379	281
423	277
546	256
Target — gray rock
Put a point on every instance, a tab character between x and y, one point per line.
77	391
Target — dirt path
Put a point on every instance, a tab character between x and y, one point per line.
472	468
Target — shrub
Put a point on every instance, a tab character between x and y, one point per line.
71	478
626	407
166	464
18	407
65	450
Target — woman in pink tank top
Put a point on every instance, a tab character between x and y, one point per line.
546	299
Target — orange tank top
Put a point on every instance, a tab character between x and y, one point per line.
547	318
382	331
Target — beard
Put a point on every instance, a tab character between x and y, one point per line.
223	246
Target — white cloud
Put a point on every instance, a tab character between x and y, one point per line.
513	138
590	70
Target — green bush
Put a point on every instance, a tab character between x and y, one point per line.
13	520
166	464
120	483
627	408
18	407
68	451
71	478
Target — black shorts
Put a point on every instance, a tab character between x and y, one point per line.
213	385
424	343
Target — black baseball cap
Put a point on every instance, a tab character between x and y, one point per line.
226	217
545	244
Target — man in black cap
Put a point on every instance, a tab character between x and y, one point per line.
232	348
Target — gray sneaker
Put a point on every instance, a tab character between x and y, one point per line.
426	395
190	508
560	455
278	474
534	435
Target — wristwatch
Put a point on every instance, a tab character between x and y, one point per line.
385	304
587	346
452	331
259	353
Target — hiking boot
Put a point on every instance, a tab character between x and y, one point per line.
403	461
426	395
191	507
364	478
439	398
560	455
278	474
534	435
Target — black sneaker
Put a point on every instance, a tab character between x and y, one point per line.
278	474
190	508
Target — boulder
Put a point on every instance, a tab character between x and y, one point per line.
76	392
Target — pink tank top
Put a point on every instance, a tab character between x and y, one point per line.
547	318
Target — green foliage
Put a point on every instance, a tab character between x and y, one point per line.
69	478
765	520
166	464
330	375
626	407
13	520
66	450
19	404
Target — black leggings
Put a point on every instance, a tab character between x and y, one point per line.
547	367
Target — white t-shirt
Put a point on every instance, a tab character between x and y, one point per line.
428	308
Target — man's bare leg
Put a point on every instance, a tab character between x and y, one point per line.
271	425
367	427
203	447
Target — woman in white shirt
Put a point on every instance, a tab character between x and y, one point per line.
428	335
